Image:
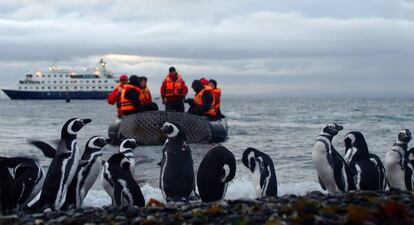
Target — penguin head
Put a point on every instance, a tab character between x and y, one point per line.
73	126
96	143
119	160
332	129
356	147
404	136
170	129
250	160
127	146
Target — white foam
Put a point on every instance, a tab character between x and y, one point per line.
239	188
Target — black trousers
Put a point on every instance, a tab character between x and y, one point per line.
175	105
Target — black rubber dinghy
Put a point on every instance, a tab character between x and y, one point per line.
145	128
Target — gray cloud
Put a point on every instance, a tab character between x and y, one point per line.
295	47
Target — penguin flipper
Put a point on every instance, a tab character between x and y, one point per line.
47	150
118	193
322	184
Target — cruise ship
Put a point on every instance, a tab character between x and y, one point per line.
56	83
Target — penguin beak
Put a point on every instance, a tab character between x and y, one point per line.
86	121
164	128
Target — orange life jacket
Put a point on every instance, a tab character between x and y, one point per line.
126	104
174	88
217	98
198	100
145	97
119	88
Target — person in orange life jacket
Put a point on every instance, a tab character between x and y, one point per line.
203	100
130	97
217	97
145	97
115	95
173	91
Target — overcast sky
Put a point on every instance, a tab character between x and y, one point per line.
281	47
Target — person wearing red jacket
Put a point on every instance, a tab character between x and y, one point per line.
173	91
115	95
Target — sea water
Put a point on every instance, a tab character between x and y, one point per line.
284	128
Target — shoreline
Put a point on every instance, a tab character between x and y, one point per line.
381	207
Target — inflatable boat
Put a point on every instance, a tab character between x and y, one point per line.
145	128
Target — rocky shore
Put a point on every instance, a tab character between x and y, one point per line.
392	207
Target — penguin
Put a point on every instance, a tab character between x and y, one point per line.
8	201
368	170
177	180
89	168
216	170
334	173
125	148
28	178
398	167
126	191
263	172
63	167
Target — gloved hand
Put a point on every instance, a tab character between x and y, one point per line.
190	101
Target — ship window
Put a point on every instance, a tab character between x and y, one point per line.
93	81
93	87
43	82
37	87
87	81
60	81
99	81
48	81
67	75
99	87
48	88
87	87
43	87
60	75
67	87
55	82
43	75
25	87
75	87
20	87
54	75
61	87
54	87
48	75
66	81
106	81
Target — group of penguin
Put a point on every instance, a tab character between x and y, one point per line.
71	174
359	169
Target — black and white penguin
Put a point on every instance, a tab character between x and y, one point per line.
263	172
177	168
398	166
126	191
125	148
63	167
368	170
28	178
216	170
334	173
89	168
8	199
